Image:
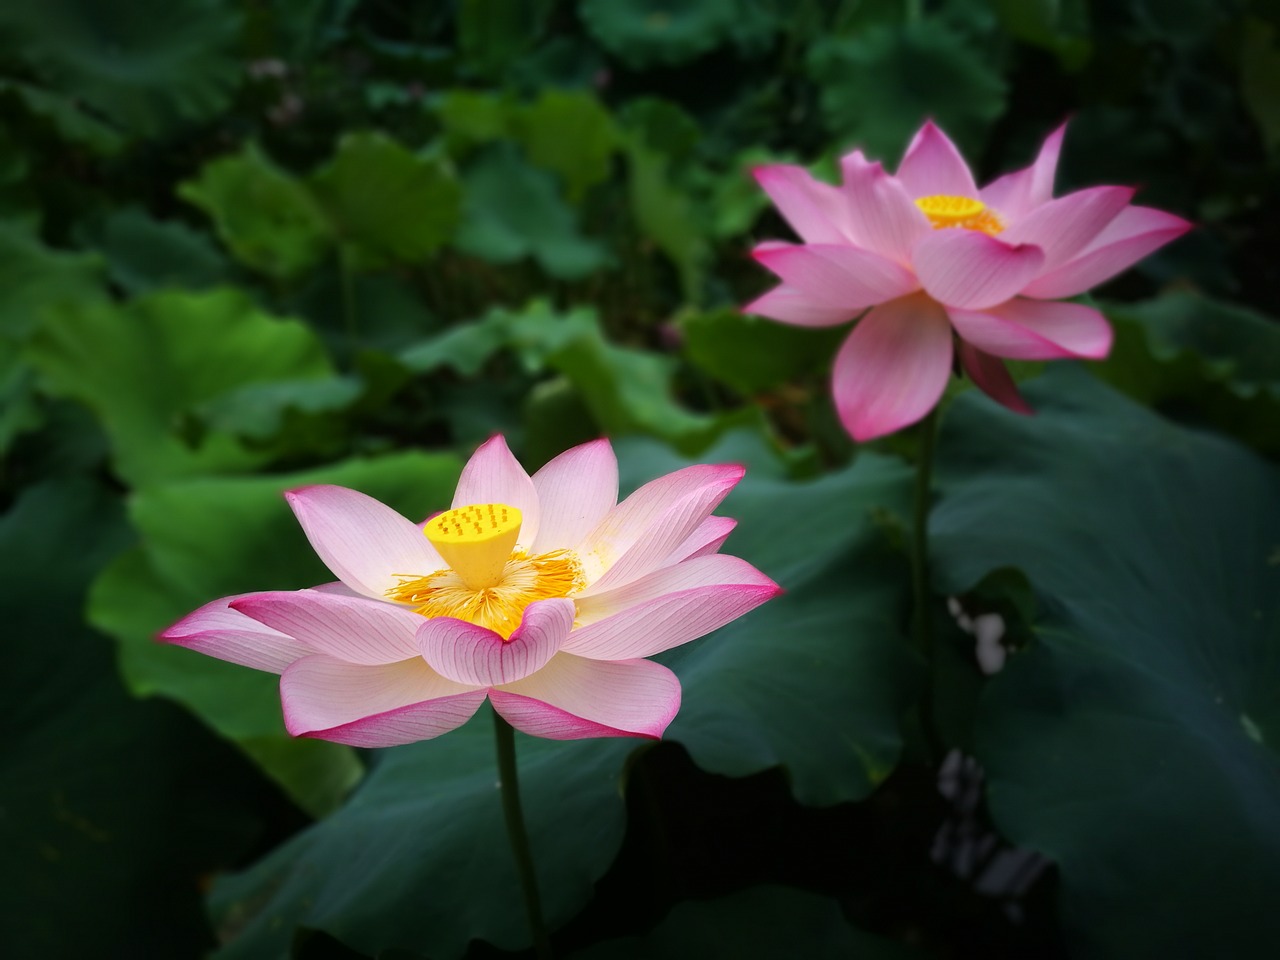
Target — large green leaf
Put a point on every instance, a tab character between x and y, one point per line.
418	859
879	85
35	278
149	65
762	922
513	210
266	217
569	133
1135	742
174	351
385	202
1202	360
643	33
751	354
108	803
66	116
818	679
145	254
211	537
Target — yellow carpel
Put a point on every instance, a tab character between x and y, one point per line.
476	541
945	210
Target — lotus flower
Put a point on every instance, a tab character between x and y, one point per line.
542	594
931	254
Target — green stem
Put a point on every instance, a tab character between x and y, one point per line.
915	10
920	593
504	736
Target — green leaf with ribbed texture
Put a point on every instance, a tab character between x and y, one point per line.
148	65
1136	741
386	203
512	211
175	351
267	217
879	84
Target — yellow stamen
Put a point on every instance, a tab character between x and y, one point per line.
945	210
501	606
476	541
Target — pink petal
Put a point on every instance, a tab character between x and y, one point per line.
575	490
992	378
372	706
968	269
893	368
493	475
884	218
357	630
708	538
475	656
815	210
217	630
668	607
364	542
572	697
1036	330
1064	227
1016	194
845	277
1134	233
788	305
933	165
646	528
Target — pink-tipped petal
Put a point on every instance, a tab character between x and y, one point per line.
1036	330
788	305
218	630
575	490
1134	233
992	378
884	218
933	165
893	368
354	629
372	706
815	210
1017	194
667	608
494	475
1064	227
970	270
846	277
642	531
573	697
707	539
365	543
472	655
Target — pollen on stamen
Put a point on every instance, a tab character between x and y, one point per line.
947	211
500	608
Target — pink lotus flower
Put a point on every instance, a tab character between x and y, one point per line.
929	253
542	593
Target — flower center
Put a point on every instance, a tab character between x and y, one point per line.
489	582
945	210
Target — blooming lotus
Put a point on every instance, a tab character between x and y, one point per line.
931	254
542	594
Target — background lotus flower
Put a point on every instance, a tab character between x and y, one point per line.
930	253
541	593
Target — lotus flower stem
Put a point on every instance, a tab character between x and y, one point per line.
928	432
504	736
